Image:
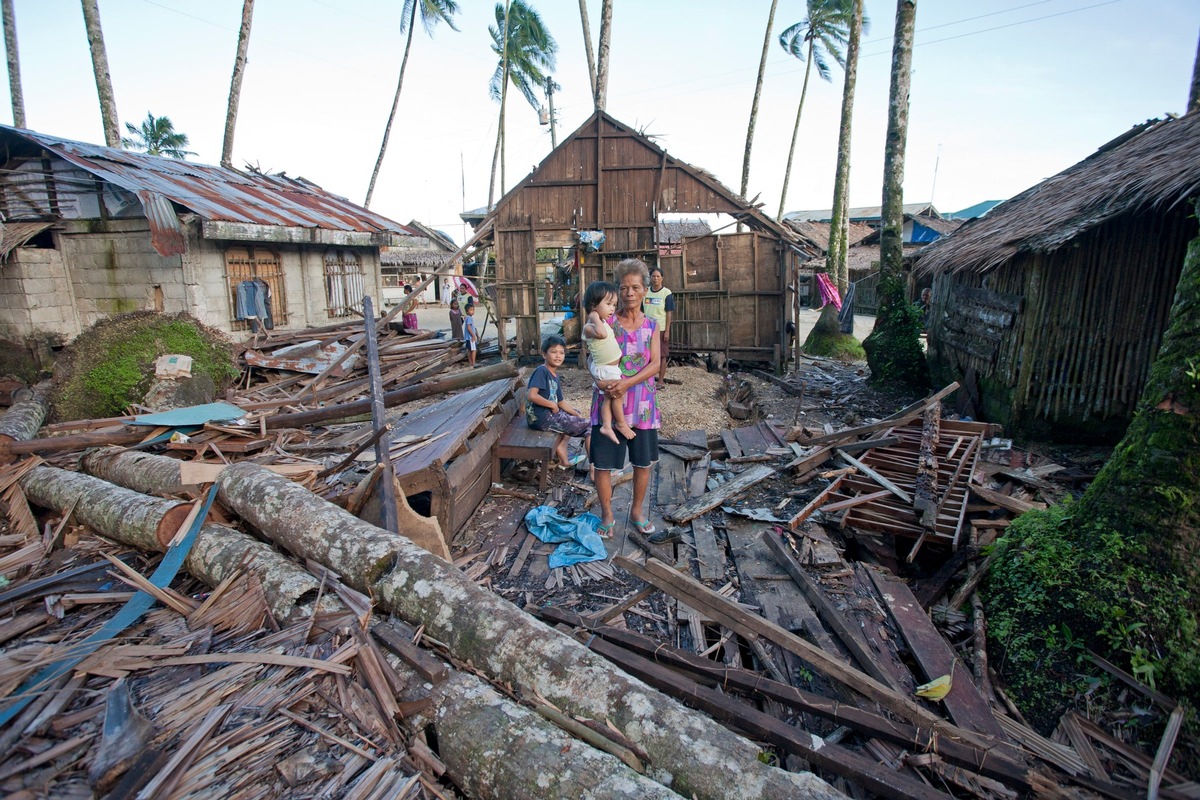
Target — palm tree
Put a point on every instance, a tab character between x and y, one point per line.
587	46
157	137
104	89
835	259
762	68
601	95
432	12
14	64
894	348
527	53
821	35
235	84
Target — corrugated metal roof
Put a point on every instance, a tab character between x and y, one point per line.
218	193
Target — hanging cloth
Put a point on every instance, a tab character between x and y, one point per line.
829	292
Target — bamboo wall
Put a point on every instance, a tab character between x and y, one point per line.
1061	343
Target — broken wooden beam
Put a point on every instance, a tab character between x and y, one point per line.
722	494
925	493
449	383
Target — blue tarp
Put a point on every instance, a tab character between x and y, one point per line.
576	537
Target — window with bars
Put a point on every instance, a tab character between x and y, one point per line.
255	264
345	283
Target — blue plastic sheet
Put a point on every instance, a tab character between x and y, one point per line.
576	537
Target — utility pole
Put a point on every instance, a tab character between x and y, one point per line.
550	87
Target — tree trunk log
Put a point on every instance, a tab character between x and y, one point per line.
134	469
494	748
21	422
79	441
450	383
218	551
687	751
145	522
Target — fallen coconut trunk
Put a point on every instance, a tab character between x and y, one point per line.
142	522
59	444
687	750
494	748
478	730
449	383
145	522
134	469
24	417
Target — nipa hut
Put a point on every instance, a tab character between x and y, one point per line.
1051	308
599	194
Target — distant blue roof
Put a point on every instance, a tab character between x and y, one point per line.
977	210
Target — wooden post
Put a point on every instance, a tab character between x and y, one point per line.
383	440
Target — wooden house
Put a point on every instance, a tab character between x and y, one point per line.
1051	308
91	231
607	179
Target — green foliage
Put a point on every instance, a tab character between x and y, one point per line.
157	137
112	364
893	349
1054	591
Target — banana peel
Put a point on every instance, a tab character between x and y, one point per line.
936	689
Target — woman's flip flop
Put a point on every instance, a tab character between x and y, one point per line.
645	527
605	531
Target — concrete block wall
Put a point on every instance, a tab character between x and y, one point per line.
117	270
36	295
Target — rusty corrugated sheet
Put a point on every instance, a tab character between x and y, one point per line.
166	234
217	193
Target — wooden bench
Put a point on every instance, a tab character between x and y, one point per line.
524	443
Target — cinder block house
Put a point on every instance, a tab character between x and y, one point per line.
90	231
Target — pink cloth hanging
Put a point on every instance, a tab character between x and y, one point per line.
829	292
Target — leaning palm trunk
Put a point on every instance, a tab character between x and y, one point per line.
14	63
235	84
839	224
587	47
762	68
787	173
104	89
606	10
387	131
498	156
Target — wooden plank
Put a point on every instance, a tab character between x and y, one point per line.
755	685
857	500
815	503
429	667
934	655
835	758
837	622
875	476
721	494
671	472
732	616
731	443
1011	504
710	556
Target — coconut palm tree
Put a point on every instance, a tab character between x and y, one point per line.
820	36
14	63
894	348
235	83
527	55
104	89
156	137
432	12
762	68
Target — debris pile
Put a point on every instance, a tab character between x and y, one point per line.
295	648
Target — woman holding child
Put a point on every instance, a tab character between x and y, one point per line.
638	338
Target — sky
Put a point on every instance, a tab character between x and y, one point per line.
1004	92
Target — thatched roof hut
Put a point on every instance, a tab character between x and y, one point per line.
1051	308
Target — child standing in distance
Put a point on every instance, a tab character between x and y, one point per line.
545	408
600	303
470	334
